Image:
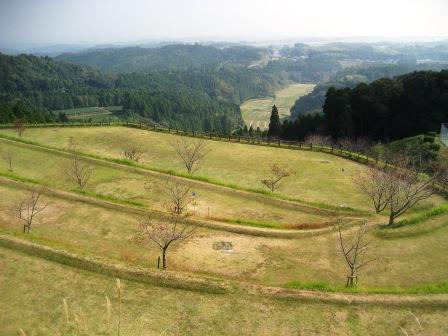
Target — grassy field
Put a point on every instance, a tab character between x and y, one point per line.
256	112
48	168
320	178
409	258
150	310
98	232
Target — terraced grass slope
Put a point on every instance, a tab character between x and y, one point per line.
151	310
92	230
320	178
148	189
100	225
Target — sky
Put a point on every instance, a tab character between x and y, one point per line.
111	21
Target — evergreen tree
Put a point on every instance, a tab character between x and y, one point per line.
275	128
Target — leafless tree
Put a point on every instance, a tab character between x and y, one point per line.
164	234
407	187
9	157
354	248
77	171
29	207
398	187
190	152
19	126
374	182
132	153
359	145
179	197
278	173
318	139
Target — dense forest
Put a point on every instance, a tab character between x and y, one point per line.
350	77
385	110
389	109
201	99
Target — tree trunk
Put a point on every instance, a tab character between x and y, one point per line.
163	259
391	218
351	278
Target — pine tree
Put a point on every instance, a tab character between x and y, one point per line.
275	128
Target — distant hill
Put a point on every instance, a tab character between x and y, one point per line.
31	87
178	56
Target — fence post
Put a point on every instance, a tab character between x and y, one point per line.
332	148
279	142
311	146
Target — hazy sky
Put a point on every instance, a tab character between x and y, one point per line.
102	21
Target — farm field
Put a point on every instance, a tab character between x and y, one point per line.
256	112
320	179
94	114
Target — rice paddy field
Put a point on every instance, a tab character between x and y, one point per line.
272	283
256	112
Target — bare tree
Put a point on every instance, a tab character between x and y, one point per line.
374	182
407	187
361	145
278	173
165	234
29	207
179	197
132	153
397	188
354	249
190	152
318	139
19	126
9	157
77	171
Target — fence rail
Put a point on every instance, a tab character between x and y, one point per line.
257	140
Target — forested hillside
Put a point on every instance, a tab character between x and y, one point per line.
31	87
389	109
174	57
350	77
